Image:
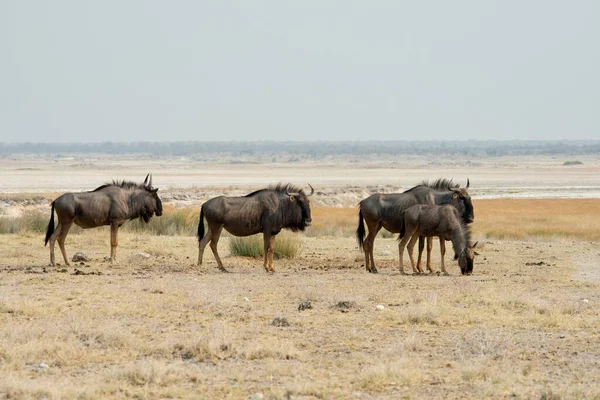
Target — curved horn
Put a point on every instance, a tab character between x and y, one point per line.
150	181
291	193
146	180
468	183
312	190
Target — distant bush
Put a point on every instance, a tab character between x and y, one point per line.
31	221
171	223
286	246
574	162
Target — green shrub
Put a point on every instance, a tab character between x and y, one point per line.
286	246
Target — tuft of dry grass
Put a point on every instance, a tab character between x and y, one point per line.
173	222
31	221
287	245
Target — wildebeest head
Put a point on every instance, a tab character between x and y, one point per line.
151	202
461	200
300	218
465	259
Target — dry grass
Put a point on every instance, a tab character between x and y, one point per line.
498	218
287	245
173	222
512	218
161	328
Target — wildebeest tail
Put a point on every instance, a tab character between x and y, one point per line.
360	231
402	227
50	229
201	224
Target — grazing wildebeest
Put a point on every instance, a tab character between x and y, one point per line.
385	211
442	221
110	204
267	210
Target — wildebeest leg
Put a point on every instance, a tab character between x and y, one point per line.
401	246
429	248
411	248
202	244
442	253
213	245
420	254
368	246
64	231
269	252
53	241
114	241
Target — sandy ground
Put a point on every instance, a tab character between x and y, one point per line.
525	325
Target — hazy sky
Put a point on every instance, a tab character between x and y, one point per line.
305	70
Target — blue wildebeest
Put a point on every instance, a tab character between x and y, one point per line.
267	210
110	204
385	211
442	221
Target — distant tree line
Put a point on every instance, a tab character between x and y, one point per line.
317	148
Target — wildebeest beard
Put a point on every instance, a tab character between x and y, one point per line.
302	219
139	207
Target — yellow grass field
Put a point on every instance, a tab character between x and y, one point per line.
501	218
525	325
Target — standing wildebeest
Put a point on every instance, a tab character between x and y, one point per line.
385	211
110	204
442	221
267	210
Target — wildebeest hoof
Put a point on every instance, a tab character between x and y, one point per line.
374	271
446	274
223	270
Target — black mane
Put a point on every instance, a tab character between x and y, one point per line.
438	184
279	188
123	185
441	184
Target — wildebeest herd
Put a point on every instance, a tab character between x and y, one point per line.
431	209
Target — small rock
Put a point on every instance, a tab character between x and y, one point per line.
380	307
385	253
41	367
79	256
344	306
585	301
305	305
280	321
256	396
246	299
142	254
